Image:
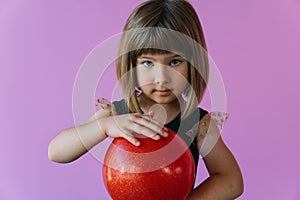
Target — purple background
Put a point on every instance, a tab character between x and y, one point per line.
255	44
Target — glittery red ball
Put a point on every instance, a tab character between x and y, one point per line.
157	169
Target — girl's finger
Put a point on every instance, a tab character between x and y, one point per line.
149	117
140	129
140	118
103	103
130	138
150	114
150	128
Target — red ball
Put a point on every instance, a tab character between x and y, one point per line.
160	170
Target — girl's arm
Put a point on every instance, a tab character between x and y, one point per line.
72	143
225	181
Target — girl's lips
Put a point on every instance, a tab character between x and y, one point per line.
163	92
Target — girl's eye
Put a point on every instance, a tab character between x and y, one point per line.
175	62
147	63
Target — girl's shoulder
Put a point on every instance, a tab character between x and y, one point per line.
219	117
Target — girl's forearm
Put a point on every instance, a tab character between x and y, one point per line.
71	143
217	187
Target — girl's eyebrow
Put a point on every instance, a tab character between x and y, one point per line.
144	57
152	58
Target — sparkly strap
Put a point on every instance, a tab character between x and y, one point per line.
220	118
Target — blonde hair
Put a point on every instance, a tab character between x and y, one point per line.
158	26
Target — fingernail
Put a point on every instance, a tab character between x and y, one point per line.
150	112
165	129
165	134
156	137
137	143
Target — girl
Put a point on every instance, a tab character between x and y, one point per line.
163	73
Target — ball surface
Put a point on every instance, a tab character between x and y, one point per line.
160	170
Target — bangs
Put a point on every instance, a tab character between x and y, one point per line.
154	40
140	52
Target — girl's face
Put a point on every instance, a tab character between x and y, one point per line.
162	77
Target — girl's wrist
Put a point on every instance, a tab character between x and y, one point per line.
102	123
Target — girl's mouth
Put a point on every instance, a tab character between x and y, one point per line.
162	92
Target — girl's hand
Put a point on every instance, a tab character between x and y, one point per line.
106	109
128	125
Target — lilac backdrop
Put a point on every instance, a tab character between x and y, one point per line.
255	44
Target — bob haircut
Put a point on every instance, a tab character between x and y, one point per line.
163	26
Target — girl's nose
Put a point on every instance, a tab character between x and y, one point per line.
161	75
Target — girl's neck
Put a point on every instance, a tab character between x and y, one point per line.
162	112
